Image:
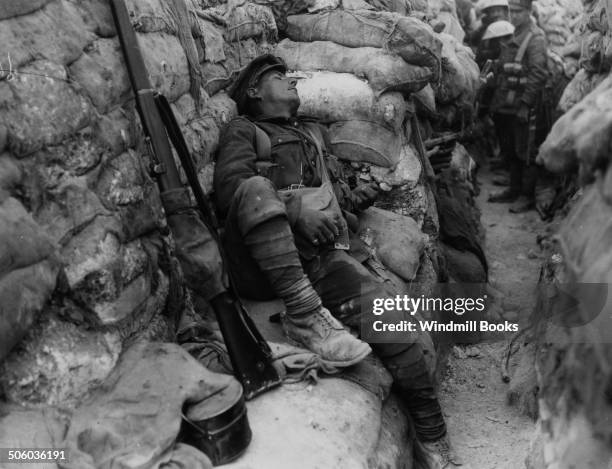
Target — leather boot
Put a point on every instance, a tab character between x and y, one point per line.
441	453
324	335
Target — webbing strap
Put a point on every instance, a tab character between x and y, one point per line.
263	146
523	47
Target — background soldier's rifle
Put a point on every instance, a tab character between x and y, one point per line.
198	248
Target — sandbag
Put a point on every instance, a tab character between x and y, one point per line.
333	97
151	16
582	135
31	428
397	240
166	64
219	75
384	71
133	419
593	55
407	171
102	73
584	237
97	17
24	293
247	20
212	36
23	241
581	85
460	74
451	25
26	38
22	7
10	176
408	37
365	141
42	111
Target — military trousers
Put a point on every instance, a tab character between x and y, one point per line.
343	284
517	148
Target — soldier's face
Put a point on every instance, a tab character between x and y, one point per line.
276	90
518	16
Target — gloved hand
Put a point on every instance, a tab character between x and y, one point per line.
523	114
364	195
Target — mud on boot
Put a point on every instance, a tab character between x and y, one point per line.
324	335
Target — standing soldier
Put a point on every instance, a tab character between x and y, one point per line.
521	76
496	34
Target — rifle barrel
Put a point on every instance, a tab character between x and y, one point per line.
168	177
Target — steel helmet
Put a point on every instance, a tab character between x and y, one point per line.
498	29
484	4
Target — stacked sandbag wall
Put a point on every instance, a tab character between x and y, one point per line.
560	21
574	350
367	71
86	267
358	80
589	47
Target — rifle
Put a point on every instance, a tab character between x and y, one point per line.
195	231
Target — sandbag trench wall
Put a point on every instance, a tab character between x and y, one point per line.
573	365
84	268
584	43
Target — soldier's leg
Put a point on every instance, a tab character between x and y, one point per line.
504	125
264	262
344	285
500	122
527	171
515	161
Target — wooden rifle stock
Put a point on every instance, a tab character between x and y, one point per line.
249	353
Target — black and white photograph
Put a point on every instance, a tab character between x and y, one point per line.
305	234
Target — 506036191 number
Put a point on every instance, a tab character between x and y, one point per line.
32	455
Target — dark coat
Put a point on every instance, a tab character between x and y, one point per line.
534	69
293	160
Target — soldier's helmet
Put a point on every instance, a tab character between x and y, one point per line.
482	5
498	29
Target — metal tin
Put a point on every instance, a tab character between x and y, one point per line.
218	426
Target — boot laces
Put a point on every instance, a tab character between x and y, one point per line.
324	318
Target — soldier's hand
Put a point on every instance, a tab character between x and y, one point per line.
523	114
365	195
317	226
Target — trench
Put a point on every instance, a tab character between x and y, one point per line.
487	431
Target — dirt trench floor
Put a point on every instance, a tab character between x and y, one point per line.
486	431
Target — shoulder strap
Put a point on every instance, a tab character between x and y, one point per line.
523	47
318	140
263	146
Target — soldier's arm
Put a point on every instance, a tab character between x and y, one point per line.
537	70
237	162
236	159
